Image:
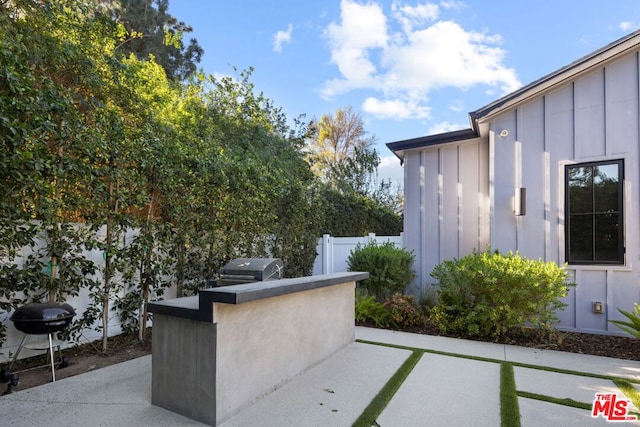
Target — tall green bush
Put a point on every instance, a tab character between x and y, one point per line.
484	294
390	269
205	171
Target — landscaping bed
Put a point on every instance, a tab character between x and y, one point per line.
82	358
573	342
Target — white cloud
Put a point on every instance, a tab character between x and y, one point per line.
395	109
444	54
362	29
406	61
456	5
456	106
410	16
282	37
390	169
444	127
626	26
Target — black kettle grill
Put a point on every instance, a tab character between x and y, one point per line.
39	319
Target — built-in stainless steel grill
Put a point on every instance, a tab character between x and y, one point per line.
39	319
249	270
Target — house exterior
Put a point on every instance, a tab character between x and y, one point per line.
551	171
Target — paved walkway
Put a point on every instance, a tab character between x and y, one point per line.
443	389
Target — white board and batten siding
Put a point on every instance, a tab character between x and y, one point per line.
446	203
459	195
592	118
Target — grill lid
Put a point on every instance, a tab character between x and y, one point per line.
252	269
43	318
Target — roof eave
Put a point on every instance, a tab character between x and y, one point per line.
399	147
479	117
557	77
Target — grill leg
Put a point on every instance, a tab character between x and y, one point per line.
15	356
53	366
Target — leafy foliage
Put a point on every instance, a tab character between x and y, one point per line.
339	137
632	326
390	268
369	310
103	154
350	214
485	294
153	32
342	156
404	311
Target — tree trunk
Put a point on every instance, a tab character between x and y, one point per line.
106	289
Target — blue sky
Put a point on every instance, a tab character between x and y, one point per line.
409	68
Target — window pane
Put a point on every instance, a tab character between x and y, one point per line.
606	237
594	200
605	183
581	238
581	189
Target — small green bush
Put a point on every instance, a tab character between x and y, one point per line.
484	294
390	269
368	309
633	325
404	311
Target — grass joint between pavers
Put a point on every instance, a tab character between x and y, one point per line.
384	396
509	408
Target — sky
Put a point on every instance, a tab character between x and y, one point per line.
408	68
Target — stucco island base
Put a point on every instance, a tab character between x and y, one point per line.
216	353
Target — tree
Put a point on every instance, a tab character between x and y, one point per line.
338	137
184	175
153	32
344	159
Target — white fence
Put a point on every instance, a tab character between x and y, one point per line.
333	252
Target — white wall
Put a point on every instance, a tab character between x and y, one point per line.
446	203
459	195
593	118
79	303
333	253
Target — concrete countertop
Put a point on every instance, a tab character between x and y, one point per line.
200	307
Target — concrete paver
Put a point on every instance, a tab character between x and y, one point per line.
561	386
442	390
535	413
334	393
445	391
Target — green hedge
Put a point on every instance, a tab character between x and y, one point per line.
390	269
484	294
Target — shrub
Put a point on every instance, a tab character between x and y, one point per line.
404	311
428	298
484	294
368	309
390	269
633	325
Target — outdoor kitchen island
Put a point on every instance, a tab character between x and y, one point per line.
216	353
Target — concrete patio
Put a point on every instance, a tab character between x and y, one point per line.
445	388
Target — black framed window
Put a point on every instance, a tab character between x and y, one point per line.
593	207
